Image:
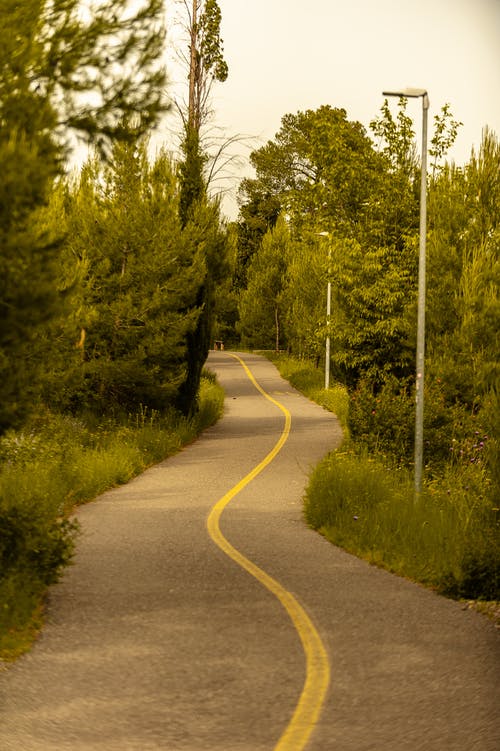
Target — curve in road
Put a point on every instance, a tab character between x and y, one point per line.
317	679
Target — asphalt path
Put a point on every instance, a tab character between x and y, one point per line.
157	639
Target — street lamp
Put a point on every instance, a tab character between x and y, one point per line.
419	407
328	311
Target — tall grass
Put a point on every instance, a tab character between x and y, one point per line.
56	463
304	376
444	539
361	497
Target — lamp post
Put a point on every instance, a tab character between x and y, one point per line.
419	406
328	312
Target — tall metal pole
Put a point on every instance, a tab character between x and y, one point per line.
328	311
419	407
419	402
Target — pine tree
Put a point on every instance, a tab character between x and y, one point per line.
141	287
61	70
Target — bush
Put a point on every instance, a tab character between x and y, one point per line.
383	421
32	541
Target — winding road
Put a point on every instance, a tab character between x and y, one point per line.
201	614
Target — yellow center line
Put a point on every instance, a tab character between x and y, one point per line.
307	711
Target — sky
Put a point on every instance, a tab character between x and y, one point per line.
286	56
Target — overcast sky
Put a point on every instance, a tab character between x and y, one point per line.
286	56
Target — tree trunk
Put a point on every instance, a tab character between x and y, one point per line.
193	70
277	326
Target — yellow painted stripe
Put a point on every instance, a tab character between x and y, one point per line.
307	711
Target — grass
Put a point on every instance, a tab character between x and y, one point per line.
364	502
55	464
304	376
442	540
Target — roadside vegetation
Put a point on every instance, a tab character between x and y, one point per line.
331	207
361	497
108	276
115	281
55	463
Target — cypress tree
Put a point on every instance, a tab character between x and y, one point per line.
200	220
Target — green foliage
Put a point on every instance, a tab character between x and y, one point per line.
59	72
141	287
226	296
397	138
258	215
464	271
305	296
261	303
445	133
373	302
383	421
29	299
320	166
63	68
56	462
192	183
211	46
205	233
448	539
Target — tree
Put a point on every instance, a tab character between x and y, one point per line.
373	293
445	133
199	217
208	235
261	304
320	166
65	68
206	65
207	62
62	69
464	251
257	217
142	280
29	298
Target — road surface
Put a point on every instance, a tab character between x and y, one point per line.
158	639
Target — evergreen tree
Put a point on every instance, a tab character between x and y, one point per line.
61	69
201	219
142	282
464	267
